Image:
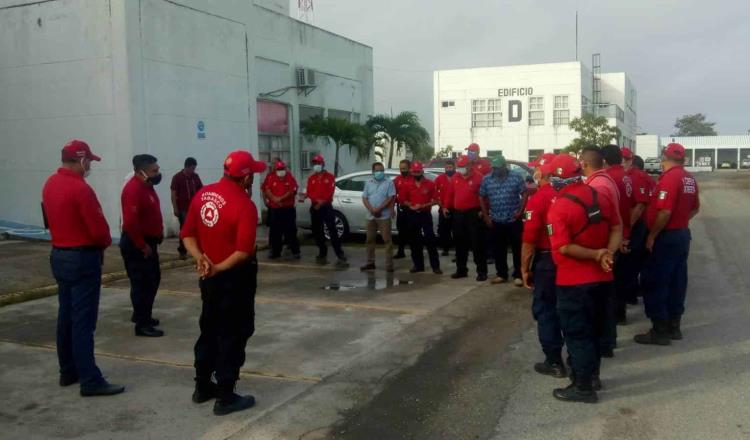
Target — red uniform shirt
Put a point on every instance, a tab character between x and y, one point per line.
419	194
278	187
464	191
73	212
223	219
641	190
565	219
535	217
677	191
320	187
402	186
442	189
141	213
185	186
481	166
625	191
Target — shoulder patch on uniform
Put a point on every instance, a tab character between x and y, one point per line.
663	195
549	230
527	215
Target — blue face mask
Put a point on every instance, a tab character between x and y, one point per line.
472	155
379	175
450	172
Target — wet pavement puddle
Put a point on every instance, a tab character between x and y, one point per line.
368	284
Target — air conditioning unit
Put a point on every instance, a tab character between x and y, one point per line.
305	77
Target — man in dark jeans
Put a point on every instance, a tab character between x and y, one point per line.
80	234
142	232
184	186
503	196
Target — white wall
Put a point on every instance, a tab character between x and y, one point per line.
648	145
618	89
453	124
136	76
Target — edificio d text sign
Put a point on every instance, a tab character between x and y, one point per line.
515	106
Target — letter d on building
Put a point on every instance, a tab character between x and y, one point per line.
515	108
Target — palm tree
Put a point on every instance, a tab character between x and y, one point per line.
402	131
339	131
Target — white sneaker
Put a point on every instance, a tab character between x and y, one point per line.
518	282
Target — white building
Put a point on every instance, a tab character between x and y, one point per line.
171	78
524	110
702	152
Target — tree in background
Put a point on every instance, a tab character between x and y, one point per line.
404	131
444	153
341	132
694	125
592	130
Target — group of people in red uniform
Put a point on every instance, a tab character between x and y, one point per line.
597	230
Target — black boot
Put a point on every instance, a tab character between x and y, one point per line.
205	390
596	383
576	392
674	329
228	401
551	368
658	335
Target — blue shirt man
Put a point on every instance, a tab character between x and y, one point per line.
377	192
504	190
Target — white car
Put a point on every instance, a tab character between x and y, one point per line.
351	214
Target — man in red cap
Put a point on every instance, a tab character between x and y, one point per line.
280	190
585	232
219	233
320	188
402	183
468	226
80	234
419	199
445	226
538	269
477	164
674	203
142	232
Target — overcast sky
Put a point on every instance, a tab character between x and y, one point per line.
683	56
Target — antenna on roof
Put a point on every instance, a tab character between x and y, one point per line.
576	35
305	11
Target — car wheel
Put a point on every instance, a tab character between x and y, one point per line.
342	226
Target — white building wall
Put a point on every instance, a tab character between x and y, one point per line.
136	76
453	125
648	145
618	89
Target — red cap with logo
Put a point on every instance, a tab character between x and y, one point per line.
627	153
473	148
240	163
675	151
318	159
541	160
76	149
565	166
417	167
279	165
463	161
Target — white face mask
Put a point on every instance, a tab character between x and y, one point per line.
86	172
583	179
461	170
281	173
317	168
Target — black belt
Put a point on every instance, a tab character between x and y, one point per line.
78	248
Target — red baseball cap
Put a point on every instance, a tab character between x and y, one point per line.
675	151
417	167
544	158
463	161
318	159
627	153
240	163
76	149
473	148
279	165
564	165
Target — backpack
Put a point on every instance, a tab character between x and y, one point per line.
593	211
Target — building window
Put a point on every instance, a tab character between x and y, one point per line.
486	113
536	110
533	154
494	153
447	104
561	114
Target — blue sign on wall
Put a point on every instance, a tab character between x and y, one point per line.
201	126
